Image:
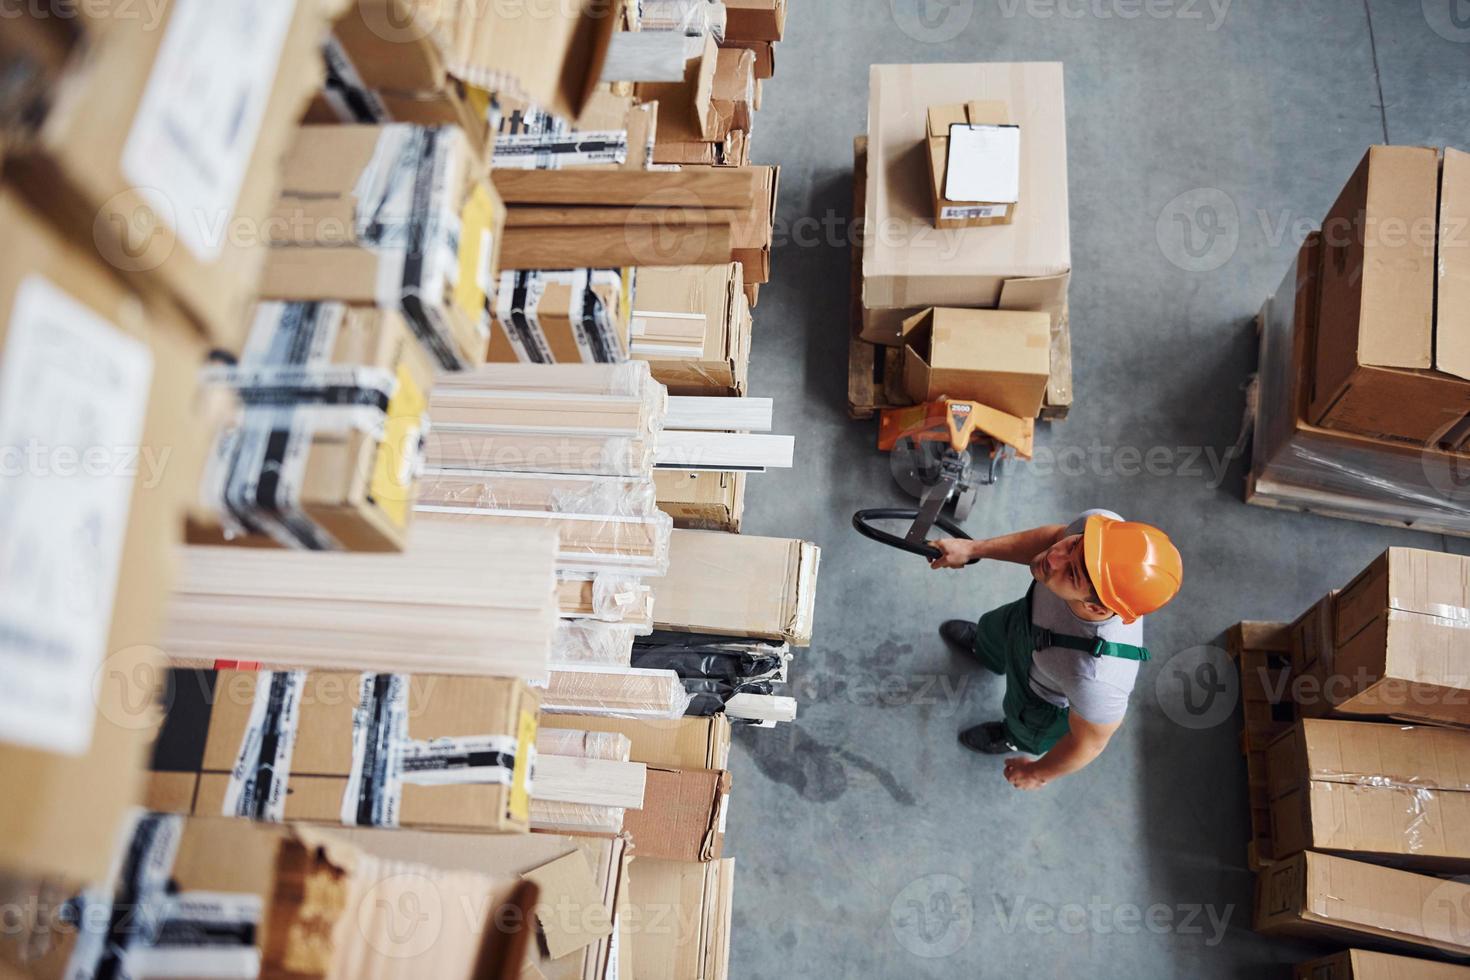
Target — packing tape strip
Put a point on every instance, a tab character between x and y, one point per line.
1456	616
404	214
152	931
257	786
346	92
517	303
384	758
557	150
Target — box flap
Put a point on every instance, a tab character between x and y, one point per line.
567	886
1452	302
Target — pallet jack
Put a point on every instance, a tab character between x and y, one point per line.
943	452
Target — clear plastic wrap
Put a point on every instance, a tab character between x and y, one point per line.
578	744
596	534
1338	473
694	18
614	692
589	641
551	817
607	597
628	379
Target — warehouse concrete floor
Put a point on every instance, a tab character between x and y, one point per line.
869	844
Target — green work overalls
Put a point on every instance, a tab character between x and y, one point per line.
1005	642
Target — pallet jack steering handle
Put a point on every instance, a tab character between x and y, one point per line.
862	523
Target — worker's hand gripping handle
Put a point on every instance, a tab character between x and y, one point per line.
863	520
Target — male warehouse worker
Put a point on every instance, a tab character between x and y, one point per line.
1070	649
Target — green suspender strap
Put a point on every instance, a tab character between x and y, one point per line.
1097	646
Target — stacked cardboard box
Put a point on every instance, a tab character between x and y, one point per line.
364	685
1360	401
1360	762
932	273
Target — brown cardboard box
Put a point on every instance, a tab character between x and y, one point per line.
550	54
755	20
686	110
1376	350
692	324
680	913
765	56
87	555
678	743
908	264
683	815
1313	635
34	51
734	88
356	485
1452	267
348	202
702	499
1333	899
404	45
477	724
271	900
177	214
579	883
1389	793
1362	964
950	212
541	317
751	235
738	585
1400	640
999	358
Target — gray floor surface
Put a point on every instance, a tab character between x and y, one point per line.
869	844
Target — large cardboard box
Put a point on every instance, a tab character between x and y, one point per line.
692	324
1390	793
1334	899
566	316
447	753
1386	366
996	159
733	91
908	264
550	54
681	914
751	234
1362	964
755	20
208	897
391	216
98	404
1000	358
702	500
160	145
580	882
294	472
738	585
1400	637
683	815
686	110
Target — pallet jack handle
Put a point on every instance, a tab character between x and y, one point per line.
862	523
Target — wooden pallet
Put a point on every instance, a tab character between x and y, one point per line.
873	381
1262	652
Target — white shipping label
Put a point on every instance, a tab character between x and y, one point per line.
956	213
73	400
984	164
194	135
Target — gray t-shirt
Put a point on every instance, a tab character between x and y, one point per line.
1097	688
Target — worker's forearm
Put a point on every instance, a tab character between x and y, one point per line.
1068	756
1020	547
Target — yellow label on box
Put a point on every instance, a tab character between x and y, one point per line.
520	780
393	470
477	229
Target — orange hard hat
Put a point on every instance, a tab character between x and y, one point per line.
1135	567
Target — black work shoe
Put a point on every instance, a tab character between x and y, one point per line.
960	635
988	739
